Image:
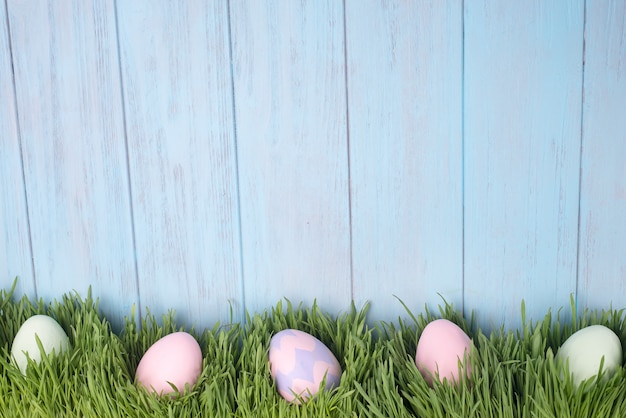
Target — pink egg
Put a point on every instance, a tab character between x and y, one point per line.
440	348
176	359
298	364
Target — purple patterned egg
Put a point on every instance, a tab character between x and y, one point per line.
298	364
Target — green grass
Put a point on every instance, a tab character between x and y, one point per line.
513	372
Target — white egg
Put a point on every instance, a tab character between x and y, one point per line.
585	349
50	333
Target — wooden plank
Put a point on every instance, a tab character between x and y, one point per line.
523	80
290	110
15	254
69	107
405	94
602	265
178	98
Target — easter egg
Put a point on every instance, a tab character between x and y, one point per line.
299	362
584	350
52	337
175	359
440	348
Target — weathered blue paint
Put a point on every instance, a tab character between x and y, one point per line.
207	155
602	249
523	83
405	70
182	161
15	254
71	132
290	107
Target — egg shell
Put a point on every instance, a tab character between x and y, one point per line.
583	352
50	333
298	364
440	348
175	358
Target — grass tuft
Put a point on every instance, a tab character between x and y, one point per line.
514	373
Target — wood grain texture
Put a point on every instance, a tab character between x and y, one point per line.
15	254
522	86
178	97
426	147
405	94
69	107
602	256
290	98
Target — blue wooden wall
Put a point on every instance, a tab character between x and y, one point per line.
209	155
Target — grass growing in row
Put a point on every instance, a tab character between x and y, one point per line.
513	372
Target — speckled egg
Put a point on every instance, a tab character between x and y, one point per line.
298	364
49	332
440	348
583	352
175	359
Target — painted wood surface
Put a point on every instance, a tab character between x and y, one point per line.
290	108
181	149
602	255
15	255
523	81
405	69
71	126
203	156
